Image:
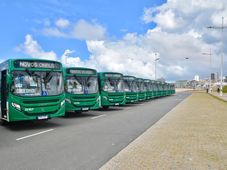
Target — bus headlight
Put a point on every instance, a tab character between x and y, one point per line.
104	97
62	103
68	100
16	106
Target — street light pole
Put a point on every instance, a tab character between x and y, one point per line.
210	54
155	60
222	27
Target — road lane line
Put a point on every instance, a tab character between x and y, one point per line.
35	134
98	116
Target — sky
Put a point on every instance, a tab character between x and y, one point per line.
121	36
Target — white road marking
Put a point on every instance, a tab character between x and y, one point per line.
98	116
35	134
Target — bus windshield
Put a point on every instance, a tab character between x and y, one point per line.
113	85
130	86
141	87
37	83
82	84
148	86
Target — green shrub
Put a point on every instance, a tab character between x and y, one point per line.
224	89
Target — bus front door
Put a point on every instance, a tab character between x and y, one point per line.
3	95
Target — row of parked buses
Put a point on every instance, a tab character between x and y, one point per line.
41	89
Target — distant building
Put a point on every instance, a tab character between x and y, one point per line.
225	79
196	78
217	76
181	83
161	79
212	76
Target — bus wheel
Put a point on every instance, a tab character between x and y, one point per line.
105	107
4	123
78	112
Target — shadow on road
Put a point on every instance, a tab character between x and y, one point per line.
69	115
30	125
111	109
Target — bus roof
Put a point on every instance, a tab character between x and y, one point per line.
24	63
127	76
80	70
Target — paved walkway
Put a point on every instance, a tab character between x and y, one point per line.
193	136
223	97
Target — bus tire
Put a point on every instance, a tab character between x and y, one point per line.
4	122
105	107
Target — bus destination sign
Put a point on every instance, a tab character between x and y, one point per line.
129	78
113	75
78	71
36	64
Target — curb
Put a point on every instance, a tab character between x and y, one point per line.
218	97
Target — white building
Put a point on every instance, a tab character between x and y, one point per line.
196	77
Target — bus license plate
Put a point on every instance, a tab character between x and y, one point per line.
42	117
85	108
116	104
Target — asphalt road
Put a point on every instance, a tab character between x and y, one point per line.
84	141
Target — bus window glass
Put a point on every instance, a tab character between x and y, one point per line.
82	84
130	86
141	87
113	85
37	83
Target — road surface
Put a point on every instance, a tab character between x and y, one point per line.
84	141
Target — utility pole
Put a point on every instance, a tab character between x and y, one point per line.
155	60
222	27
210	54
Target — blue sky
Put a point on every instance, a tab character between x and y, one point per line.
28	17
121	36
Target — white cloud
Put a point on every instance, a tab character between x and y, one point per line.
88	31
54	32
33	49
181	32
82	30
147	17
68	60
62	23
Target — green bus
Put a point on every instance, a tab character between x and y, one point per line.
131	89
154	88
172	89
149	89
111	89
141	89
81	89
160	89
31	89
169	89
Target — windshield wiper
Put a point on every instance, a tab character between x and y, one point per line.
48	76
29	72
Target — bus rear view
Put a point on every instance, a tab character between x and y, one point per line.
81	86
111	89
31	89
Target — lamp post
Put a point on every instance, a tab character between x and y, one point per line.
222	27
210	54
155	60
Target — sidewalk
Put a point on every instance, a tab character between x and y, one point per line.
223	97
193	136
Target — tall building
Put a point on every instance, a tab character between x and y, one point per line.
196	78
212	76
